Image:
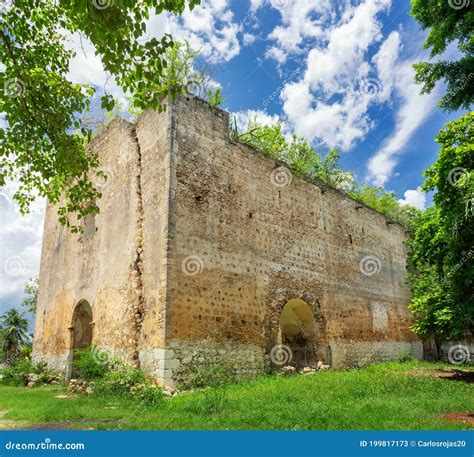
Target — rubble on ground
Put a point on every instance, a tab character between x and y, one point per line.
80	386
308	370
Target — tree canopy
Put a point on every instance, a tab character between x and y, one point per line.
14	331
442	250
31	295
447	21
43	142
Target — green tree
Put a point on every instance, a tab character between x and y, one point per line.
179	72
384	202
43	146
448	21
14	331
180	67
442	248
31	295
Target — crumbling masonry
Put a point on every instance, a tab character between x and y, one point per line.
205	251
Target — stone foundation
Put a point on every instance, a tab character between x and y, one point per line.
356	354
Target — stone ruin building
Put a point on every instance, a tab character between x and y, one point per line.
206	251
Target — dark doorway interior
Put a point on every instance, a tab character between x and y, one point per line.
81	328
298	332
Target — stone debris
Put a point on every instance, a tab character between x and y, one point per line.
289	369
79	385
286	371
170	391
34	380
321	366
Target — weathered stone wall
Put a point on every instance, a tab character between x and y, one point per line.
249	237
98	266
199	245
154	133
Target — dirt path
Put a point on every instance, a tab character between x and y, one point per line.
450	374
465	418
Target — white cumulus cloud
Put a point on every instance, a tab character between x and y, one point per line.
259	116
330	103
350	68
415	197
413	110
210	29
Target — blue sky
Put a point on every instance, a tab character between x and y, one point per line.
253	75
338	72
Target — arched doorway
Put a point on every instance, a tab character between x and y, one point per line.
298	331
81	332
82	326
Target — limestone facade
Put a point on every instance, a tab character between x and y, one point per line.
206	251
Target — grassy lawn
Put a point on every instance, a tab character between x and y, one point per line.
387	396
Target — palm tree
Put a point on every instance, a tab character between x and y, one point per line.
14	331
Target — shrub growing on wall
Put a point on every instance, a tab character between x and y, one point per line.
304	161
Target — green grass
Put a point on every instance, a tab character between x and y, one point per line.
387	396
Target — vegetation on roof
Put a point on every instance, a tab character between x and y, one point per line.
307	163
